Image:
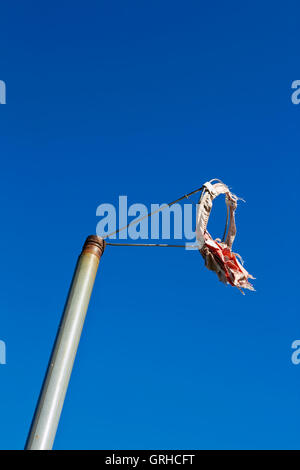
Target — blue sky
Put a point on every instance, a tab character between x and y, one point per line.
150	100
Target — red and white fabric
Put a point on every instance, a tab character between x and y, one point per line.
218	256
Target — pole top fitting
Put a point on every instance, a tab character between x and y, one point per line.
95	245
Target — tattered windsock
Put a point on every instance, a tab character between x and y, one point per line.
217	254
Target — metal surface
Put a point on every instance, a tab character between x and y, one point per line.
49	407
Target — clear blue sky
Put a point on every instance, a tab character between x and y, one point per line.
149	100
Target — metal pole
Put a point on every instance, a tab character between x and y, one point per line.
46	418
